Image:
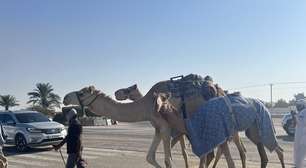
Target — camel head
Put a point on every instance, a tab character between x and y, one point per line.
83	97
168	112
163	106
131	93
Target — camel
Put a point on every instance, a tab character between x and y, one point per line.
141	110
133	93
255	118
170	113
3	162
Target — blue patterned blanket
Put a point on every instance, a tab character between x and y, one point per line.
217	120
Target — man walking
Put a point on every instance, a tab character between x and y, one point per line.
73	140
299	152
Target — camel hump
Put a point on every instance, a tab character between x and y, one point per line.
193	77
189	85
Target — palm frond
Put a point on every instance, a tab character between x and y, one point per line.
43	96
8	101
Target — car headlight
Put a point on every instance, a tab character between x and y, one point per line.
34	130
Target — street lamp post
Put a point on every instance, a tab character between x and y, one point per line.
271	93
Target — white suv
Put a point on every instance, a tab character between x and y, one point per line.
30	128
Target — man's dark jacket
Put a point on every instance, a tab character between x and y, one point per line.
73	138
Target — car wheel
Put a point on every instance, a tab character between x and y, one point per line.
290	127
21	143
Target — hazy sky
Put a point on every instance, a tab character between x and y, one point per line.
116	43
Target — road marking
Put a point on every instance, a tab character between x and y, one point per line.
26	162
58	155
38	157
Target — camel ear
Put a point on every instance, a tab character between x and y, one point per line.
134	87
158	101
91	89
164	96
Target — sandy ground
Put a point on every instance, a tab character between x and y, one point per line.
125	146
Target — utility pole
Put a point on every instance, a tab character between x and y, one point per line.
271	88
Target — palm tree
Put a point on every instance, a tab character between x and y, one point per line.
8	101
44	97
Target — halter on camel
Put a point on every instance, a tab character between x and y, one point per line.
81	103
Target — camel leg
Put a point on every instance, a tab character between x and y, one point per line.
203	161
152	151
263	155
175	140
227	154
218	156
280	155
165	134
181	138
241	149
184	150
206	159
210	156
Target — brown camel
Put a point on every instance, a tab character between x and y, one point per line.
175	120
141	110
133	93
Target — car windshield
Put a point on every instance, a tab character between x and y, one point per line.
31	117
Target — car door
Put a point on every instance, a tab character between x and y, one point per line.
9	126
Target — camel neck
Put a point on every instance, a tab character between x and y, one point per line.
124	112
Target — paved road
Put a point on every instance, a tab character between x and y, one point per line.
125	146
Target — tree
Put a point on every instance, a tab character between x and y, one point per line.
43	97
8	101
267	104
281	103
292	102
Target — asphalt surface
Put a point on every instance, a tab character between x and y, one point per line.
125	146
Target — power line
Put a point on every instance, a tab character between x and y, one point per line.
288	83
249	86
266	84
271	87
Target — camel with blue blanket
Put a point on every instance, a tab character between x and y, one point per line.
214	123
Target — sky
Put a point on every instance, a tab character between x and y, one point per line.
116	43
